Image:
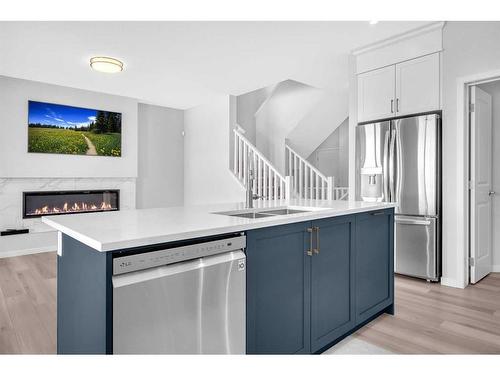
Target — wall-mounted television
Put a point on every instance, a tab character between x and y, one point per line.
62	129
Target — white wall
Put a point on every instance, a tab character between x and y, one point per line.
332	155
493	89
207	178
324	116
285	108
15	161
22	171
160	181
469	48
246	107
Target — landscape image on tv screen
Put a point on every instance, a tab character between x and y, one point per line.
61	129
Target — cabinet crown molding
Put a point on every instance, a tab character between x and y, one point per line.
400	37
406	46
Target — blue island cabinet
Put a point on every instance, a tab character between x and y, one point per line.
307	286
278	290
374	263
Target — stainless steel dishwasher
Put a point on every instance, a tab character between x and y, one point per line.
182	300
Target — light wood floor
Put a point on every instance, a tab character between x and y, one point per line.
28	304
430	318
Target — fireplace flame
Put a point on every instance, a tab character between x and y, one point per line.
73	208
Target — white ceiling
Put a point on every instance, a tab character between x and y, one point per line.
181	64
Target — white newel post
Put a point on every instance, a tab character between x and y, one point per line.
288	189
329	188
235	153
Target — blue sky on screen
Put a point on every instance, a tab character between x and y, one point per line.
60	115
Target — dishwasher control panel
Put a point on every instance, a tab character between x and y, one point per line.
136	262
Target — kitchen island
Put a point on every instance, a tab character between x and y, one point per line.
315	270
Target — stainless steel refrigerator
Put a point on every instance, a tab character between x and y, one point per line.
399	161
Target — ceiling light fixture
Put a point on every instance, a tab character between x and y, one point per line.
106	64
373	22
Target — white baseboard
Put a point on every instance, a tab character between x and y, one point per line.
31	243
456	284
20	252
452	283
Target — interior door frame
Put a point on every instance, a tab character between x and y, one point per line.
472	196
463	154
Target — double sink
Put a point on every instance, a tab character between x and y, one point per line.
263	213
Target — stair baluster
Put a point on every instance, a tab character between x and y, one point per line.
308	181
268	182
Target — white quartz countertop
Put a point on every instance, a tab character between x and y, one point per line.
106	231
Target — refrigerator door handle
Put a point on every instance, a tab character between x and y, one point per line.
391	165
412	221
385	167
398	167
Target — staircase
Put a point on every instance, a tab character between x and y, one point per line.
308	182
302	179
268	183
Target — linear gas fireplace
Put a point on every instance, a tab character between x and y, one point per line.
44	203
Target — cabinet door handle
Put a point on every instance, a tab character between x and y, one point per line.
379	213
317	249
392	105
397	105
309	252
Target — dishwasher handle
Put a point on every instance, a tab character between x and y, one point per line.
175	268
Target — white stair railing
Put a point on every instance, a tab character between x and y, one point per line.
268	183
340	193
308	182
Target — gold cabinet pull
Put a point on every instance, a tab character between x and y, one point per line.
317	249
310	250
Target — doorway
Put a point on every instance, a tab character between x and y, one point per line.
484	179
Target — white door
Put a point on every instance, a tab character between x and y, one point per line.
480	196
417	85
376	94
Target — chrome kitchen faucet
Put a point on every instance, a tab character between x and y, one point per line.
250	196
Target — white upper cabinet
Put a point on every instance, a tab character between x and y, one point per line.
376	94
401	89
417	85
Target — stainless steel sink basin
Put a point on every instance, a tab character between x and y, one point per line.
263	213
249	215
283	211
